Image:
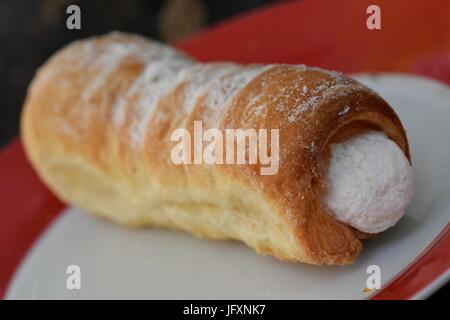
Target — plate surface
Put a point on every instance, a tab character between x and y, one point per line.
145	264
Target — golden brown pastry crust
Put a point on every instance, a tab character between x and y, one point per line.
97	130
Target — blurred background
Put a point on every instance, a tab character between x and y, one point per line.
31	30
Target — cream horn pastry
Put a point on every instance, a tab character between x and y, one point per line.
103	119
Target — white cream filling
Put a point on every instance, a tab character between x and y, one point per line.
369	182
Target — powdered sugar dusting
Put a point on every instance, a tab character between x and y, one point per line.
305	89
165	69
223	90
312	147
154	52
336	87
261	110
157	80
199	79
104	64
344	111
99	57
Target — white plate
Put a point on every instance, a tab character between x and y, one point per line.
160	264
